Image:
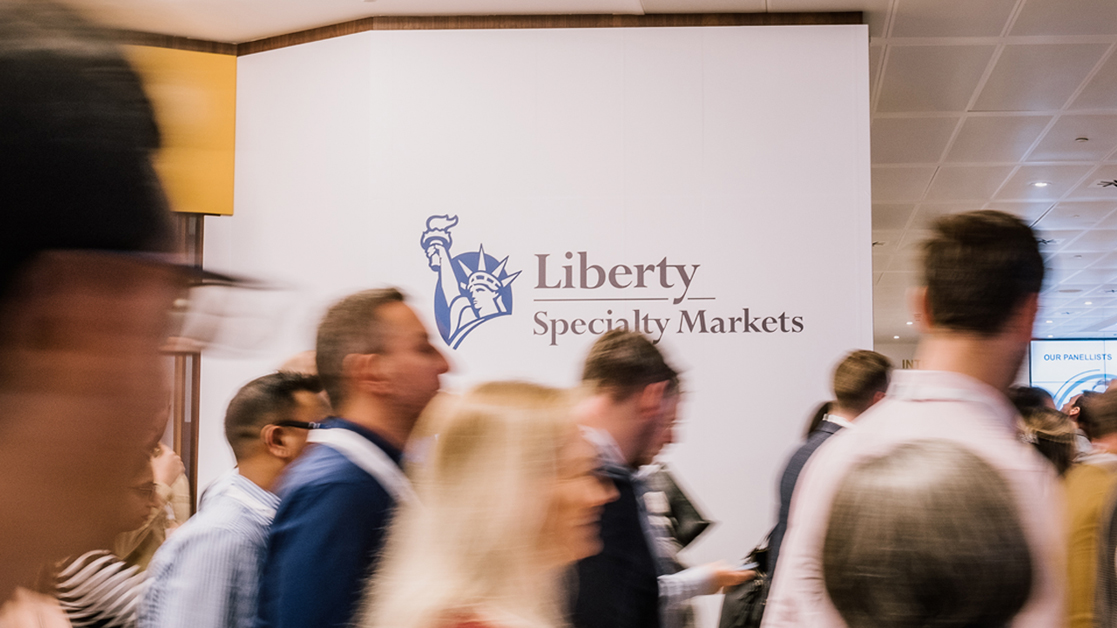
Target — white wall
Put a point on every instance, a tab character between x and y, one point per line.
743	150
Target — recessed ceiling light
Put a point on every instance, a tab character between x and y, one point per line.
1040	184
895	337
1050	321
909	322
1089	303
1050	335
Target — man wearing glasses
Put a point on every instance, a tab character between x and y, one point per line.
207	573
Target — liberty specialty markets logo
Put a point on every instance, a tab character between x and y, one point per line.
472	287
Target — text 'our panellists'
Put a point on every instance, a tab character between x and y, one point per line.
687	321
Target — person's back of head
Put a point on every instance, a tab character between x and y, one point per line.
1027	398
1101	412
350	326
1082	412
76	137
979	268
265	416
1053	434
481	539
81	314
860	380
926	535
622	363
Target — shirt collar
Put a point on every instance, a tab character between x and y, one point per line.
260	495
837	420
913	385
393	452
607	449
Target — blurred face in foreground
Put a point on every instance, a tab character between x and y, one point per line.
572	528
81	387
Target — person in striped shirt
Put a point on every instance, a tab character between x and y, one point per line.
207	573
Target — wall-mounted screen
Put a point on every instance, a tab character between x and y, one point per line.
1065	368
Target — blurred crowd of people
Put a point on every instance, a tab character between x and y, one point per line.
363	497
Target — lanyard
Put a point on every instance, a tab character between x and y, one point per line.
370	458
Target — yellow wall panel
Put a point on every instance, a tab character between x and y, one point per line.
194	94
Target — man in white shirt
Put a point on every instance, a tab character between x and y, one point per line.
982	275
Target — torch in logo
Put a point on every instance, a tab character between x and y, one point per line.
472	287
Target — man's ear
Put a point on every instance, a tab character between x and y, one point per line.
651	398
275	439
920	308
365	372
1023	320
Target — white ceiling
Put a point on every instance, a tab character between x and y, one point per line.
972	102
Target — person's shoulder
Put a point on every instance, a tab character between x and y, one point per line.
322	467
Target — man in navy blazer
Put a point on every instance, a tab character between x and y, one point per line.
860	380
632	392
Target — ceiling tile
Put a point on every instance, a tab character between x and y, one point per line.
910	140
1059	144
898	279
927	213
1059	179
1037	77
1076	215
1051	240
976	183
876	11
1095	240
1095	276
1073	261
951	18
893	185
1109	261
1028	212
1111	221
996	138
1090	190
886	241
876	54
1101	91
1067	17
931	78
891	216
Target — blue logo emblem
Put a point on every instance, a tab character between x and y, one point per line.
472	287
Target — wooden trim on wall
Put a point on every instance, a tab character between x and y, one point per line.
451	22
487	22
137	38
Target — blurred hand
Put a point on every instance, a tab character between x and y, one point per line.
167	465
726	576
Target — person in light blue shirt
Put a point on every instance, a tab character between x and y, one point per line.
206	575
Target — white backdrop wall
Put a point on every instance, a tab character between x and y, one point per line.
740	154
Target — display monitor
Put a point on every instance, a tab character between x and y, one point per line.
1065	368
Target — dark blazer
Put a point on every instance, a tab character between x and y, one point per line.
618	588
787	485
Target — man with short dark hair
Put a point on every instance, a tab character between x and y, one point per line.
207	573
82	301
632	391
380	370
860	381
982	273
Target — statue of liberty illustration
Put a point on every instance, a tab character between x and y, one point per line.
472	287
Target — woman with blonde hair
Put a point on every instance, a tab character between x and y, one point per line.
508	496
